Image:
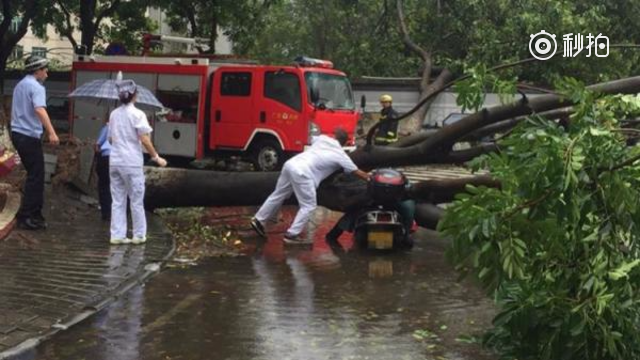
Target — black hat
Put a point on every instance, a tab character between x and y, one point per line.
35	62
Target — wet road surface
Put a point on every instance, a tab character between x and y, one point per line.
291	303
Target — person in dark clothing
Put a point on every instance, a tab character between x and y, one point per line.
103	149
29	119
387	131
406	208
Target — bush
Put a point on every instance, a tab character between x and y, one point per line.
557	245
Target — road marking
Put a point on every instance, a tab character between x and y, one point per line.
163	320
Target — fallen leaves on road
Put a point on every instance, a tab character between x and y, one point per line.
196	239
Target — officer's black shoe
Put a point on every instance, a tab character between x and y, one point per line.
41	223
39	219
31	224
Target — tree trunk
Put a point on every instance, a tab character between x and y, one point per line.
87	14
180	187
214	33
8	40
428	215
167	187
3	65
67	31
414	125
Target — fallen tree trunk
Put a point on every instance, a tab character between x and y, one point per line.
479	134
441	142
168	187
442	191
183	187
428	215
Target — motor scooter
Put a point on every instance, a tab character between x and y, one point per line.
384	223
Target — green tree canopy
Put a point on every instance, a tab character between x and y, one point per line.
110	20
557	244
15	19
362	37
239	19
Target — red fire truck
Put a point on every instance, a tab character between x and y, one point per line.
215	109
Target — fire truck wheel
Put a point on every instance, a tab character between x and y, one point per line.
267	155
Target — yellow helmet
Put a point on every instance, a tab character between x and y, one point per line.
386	98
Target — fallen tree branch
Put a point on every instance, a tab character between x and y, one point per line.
623	164
462	156
441	191
443	139
428	215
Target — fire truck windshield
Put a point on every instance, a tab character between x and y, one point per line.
334	91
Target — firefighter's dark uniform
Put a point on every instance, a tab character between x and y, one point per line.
387	131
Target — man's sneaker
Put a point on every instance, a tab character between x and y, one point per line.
120	241
407	243
139	240
257	227
296	240
333	235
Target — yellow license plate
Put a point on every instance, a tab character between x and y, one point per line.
380	240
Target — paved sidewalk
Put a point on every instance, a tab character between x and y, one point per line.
50	280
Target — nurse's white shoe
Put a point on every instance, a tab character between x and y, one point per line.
139	240
120	241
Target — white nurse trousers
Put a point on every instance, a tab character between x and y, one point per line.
291	180
127	181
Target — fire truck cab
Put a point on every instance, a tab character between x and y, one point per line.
263	113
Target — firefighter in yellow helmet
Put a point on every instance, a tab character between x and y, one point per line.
387	131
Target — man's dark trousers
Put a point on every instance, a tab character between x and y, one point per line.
104	185
32	158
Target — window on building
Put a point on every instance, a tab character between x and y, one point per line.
40	51
235	84
17	52
283	87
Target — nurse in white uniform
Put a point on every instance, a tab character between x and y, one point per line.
129	131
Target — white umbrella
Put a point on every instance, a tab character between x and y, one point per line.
105	92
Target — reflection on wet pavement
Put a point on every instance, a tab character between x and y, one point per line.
291	303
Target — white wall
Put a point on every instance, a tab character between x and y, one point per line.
404	100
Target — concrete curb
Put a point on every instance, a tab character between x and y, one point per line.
139	278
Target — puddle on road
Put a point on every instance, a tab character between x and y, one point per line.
291	303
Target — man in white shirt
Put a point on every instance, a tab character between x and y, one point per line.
301	175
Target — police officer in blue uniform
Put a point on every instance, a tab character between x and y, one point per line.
29	119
